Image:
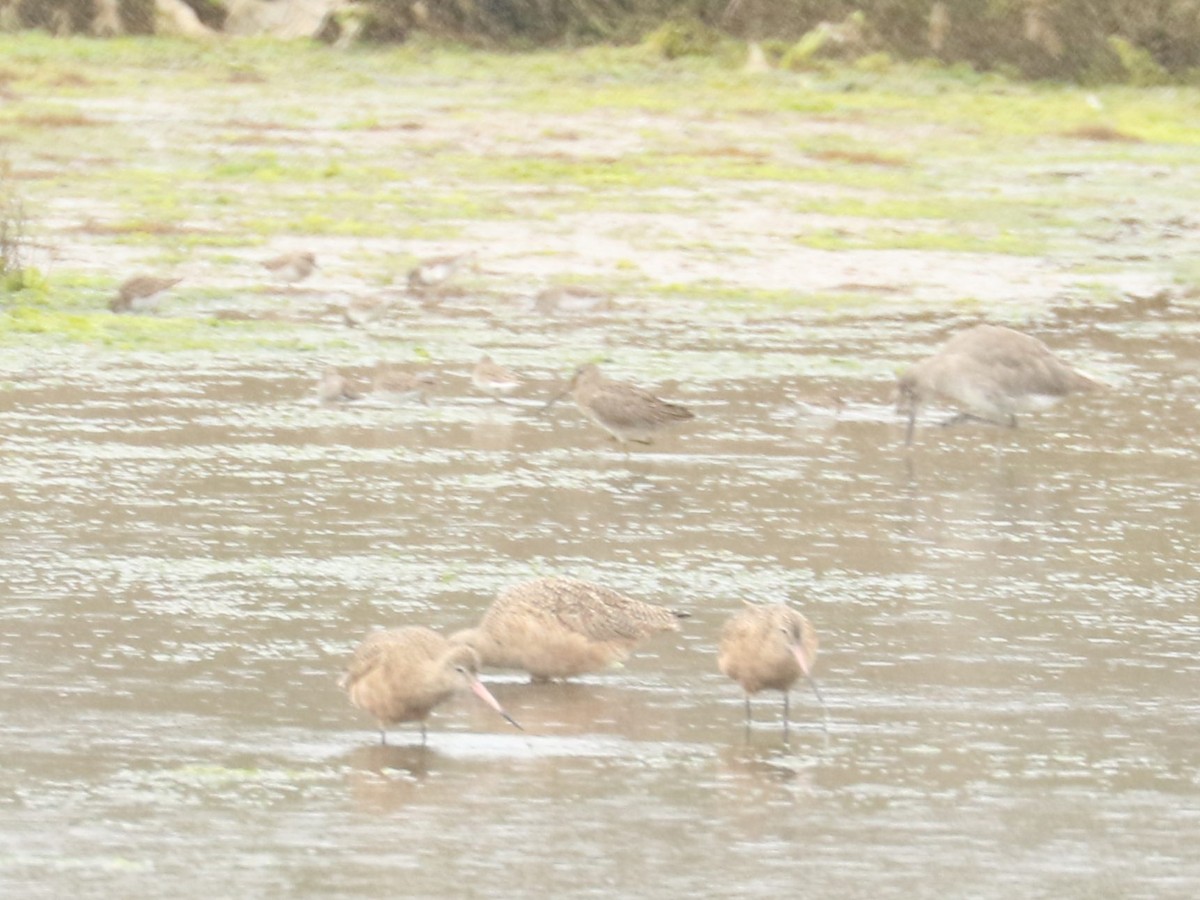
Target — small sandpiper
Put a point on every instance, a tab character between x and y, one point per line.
141	293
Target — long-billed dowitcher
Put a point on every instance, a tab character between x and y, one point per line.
334	387
292	267
401	674
141	293
993	373
493	379
768	647
624	410
391	384
559	627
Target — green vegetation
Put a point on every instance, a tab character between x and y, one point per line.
395	152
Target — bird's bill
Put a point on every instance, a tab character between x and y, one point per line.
485	695
555	398
802	659
912	419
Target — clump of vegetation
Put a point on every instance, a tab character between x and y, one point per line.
13	238
689	37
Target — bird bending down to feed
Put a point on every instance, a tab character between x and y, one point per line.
624	410
334	387
429	273
140	293
401	674
292	267
394	385
493	379
769	647
993	373
559	627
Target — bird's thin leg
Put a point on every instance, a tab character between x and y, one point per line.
382	736
747	717
785	716
422	734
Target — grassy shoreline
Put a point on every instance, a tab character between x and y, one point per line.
677	182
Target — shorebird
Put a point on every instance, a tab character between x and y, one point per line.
559	627
394	385
768	647
493	379
429	273
140	293
624	410
292	267
992	372
401	674
334	387
571	299
361	311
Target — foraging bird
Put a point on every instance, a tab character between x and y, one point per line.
768	647
624	410
401	674
429	273
994	373
292	267
571	299
361	311
334	387
394	385
140	293
559	627
493	379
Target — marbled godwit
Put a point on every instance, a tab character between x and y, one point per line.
394	385
401	674
559	627
624	410
140	293
992	372
429	273
493	379
768	648
292	267
334	387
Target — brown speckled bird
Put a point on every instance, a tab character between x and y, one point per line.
768	647
624	410
140	293
401	674
560	627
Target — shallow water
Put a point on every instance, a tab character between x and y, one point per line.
1008	627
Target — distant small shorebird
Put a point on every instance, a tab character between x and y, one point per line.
401	674
993	373
334	387
141	293
493	379
292	267
768	647
624	410
571	299
361	311
391	384
560	627
430	273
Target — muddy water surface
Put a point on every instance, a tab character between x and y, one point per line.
1008	623
192	546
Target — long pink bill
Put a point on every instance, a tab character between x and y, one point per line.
485	695
806	668
555	399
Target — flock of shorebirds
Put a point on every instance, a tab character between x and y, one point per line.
556	628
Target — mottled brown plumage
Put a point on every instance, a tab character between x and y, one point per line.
560	627
140	293
768	647
292	267
624	410
494	379
334	387
401	674
993	373
392	384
